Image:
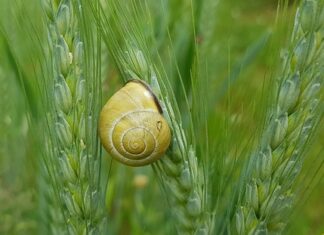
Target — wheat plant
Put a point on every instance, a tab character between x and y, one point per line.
267	196
180	175
239	84
72	158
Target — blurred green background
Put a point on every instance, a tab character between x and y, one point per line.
243	40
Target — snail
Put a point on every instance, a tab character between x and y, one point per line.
131	126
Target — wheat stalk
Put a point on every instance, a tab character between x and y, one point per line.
73	167
267	193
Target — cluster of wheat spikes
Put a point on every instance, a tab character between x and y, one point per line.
208	191
72	160
267	196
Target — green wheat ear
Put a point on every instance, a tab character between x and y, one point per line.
180	176
179	173
73	159
267	194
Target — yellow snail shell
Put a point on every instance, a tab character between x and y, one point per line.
131	126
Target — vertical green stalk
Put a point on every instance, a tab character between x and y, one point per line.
72	160
266	194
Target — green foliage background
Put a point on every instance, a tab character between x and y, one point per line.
245	38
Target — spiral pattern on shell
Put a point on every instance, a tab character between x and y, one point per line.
132	128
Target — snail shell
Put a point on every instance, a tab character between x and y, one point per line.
131	126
